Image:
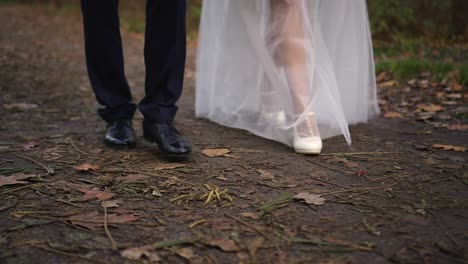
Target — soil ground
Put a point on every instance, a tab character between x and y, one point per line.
393	197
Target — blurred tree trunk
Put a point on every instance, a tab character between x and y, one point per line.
459	17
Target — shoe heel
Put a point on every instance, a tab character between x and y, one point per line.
311	144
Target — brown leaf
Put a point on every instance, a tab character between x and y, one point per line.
69	186
187	253
31	144
250	215
458	127
381	77
456	86
224	244
137	253
95	194
449	147
94	220
15	179
168	166
430	107
87	167
345	161
393	115
20	107
454	96
388	84
254	245
310	198
216	152
266	175
111	203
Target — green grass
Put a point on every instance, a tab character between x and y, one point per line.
133	23
408	58
463	74
411	68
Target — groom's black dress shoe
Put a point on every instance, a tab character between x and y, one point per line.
169	140
120	134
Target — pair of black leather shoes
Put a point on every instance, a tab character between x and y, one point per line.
170	142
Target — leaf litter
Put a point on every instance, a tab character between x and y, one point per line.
16	178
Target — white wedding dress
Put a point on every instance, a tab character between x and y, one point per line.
266	65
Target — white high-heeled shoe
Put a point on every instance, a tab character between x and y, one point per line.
307	138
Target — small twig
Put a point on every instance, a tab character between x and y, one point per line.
23	187
47	168
82	152
67	202
253	228
328	182
8	206
69	254
359	189
111	239
170	243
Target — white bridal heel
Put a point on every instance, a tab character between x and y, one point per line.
307	137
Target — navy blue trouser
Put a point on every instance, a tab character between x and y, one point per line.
164	52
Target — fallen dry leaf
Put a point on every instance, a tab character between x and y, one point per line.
217	152
266	175
87	167
95	194
393	115
254	245
388	84
250	215
310	198
224	244
344	161
94	220
20	107
430	107
381	77
111	203
458	127
168	166
15	179
188	254
138	253
449	147
454	96
31	144
456	86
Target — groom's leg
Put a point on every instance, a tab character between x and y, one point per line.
165	44
104	59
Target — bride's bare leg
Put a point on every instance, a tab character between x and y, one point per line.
290	43
287	34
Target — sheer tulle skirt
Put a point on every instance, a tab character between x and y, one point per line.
266	65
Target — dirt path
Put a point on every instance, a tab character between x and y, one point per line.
82	202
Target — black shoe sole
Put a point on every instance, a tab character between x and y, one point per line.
119	146
166	154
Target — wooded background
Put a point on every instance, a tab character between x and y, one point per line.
390	19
